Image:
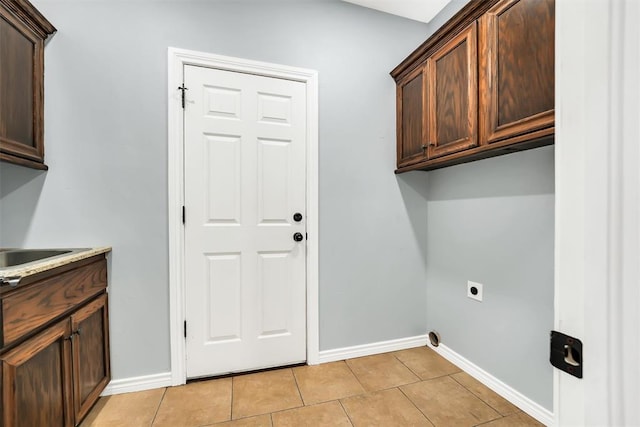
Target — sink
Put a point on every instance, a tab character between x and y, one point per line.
18	257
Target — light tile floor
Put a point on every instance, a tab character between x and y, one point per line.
415	387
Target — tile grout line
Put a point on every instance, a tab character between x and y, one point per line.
295	380
481	399
407	366
416	406
451	376
497	419
366	391
418	375
155	414
345	411
356	377
231	409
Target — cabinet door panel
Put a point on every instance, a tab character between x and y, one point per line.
91	371
21	106
36	385
517	74
411	118
452	96
16	85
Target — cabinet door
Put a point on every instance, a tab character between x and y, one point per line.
21	88
36	380
90	343
453	94
411	110
517	69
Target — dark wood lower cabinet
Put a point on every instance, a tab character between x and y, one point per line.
53	374
37	380
91	368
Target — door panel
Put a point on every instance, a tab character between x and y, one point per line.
244	179
453	95
517	77
411	120
273	181
224	282
274	271
90	345
37	380
223	179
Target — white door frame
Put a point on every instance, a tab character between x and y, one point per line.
597	243
177	59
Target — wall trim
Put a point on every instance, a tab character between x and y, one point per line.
344	353
145	382
532	408
177	59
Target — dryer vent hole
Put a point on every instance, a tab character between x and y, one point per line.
434	338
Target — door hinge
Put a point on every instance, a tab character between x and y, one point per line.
184	214
183	89
185	328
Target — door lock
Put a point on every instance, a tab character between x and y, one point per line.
298	237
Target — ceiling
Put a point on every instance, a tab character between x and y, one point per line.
418	10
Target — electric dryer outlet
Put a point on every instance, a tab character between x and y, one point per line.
474	290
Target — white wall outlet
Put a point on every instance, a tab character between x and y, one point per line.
474	290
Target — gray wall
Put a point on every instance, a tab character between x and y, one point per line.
489	221
492	222
106	145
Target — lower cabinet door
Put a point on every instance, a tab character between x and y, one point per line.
90	343
36	380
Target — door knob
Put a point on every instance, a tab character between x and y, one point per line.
298	237
297	217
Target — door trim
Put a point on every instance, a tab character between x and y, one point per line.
597	229
177	60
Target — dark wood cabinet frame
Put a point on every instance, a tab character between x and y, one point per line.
487	136
30	28
54	345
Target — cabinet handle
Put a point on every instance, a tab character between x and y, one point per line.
12	281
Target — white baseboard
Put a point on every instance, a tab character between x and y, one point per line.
146	382
373	348
538	412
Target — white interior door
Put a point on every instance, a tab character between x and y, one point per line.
244	148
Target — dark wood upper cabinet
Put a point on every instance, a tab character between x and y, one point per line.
411	117
23	31
453	93
488	83
517	73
